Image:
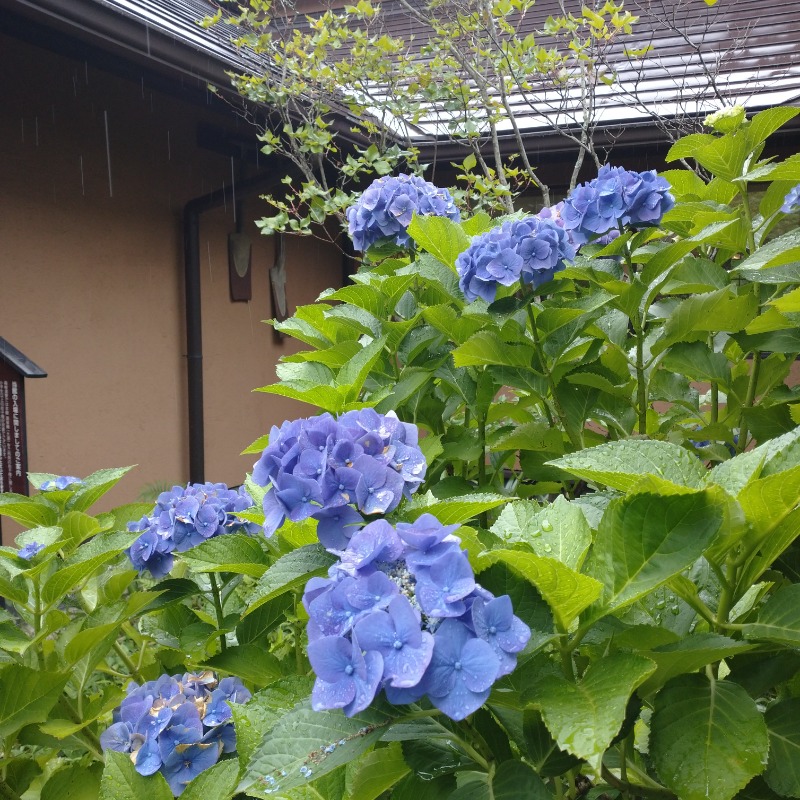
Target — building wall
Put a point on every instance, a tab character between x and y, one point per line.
91	268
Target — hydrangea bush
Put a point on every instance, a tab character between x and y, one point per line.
539	542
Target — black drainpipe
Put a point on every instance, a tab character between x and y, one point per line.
194	328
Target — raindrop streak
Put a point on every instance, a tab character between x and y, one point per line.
233	191
86	71
210	271
169	149
224	198
75	84
108	156
147	37
83	186
142	87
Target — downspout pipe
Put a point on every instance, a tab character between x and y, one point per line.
194	327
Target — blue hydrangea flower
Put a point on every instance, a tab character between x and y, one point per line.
60	483
338	470
401	611
385	209
615	198
530	251
462	670
791	202
346	677
178	726
495	623
29	550
183	518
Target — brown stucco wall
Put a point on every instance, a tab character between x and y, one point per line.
91	284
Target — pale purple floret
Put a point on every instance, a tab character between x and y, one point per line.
336	526
442	587
332	611
377	541
495	623
461	672
791	202
425	532
387	206
346	677
396	635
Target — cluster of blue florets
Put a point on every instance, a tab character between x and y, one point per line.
178	726
30	550
61	483
337	470
530	250
386	208
401	611
615	198
791	202
183	518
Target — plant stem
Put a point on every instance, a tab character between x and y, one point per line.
566	662
562	417
37	620
7	793
635	789
467	419
128	662
726	595
714	402
218	607
641	385
748	401
471	752
86	737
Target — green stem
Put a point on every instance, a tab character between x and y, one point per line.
37	620
133	670
636	789
421	714
749	400
483	517
467	420
218	608
726	595
714	402
7	793
471	752
566	662
85	736
562	417
748	218
641	384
